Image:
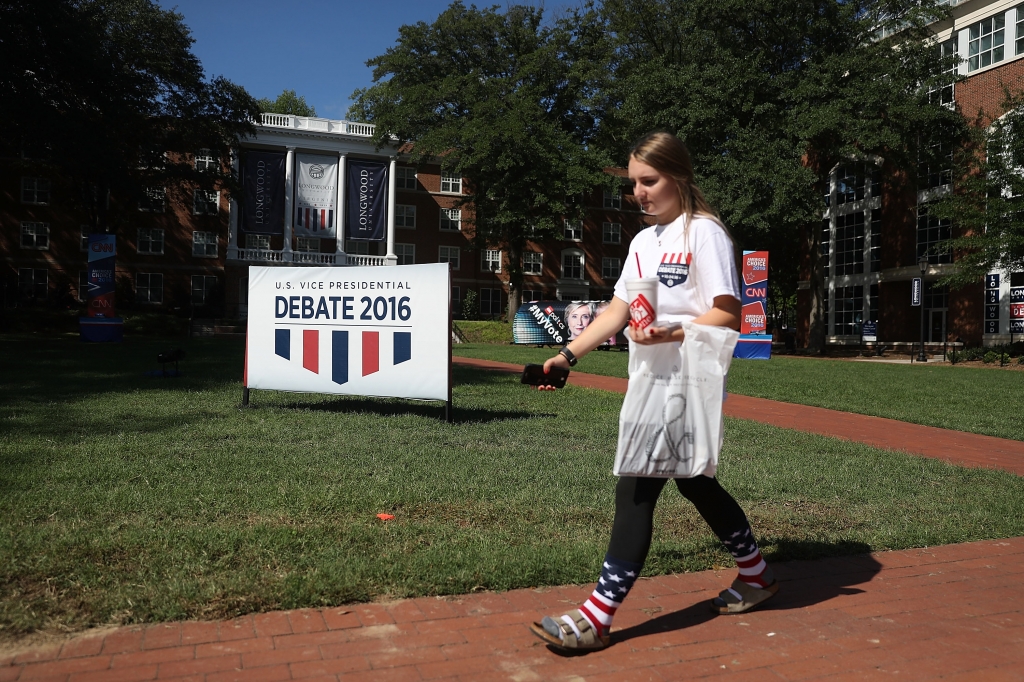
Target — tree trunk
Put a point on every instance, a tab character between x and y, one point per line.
818	321
515	279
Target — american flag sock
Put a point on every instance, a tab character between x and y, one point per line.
753	570
617	578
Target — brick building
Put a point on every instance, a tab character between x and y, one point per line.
180	250
876	227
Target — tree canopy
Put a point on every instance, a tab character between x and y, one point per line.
109	95
286	103
501	99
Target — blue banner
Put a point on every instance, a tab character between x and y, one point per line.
102	253
263	185
367	200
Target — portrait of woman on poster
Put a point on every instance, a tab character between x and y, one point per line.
577	318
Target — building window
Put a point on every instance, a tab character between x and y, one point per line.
205	202
202	288
850	244
83	237
448	254
933	174
873	303
852	180
611	233
533	262
32	283
35	236
456	298
258	242
931	233
451	219
532	295
490	302
849	310
150	241
451	184
152	200
490	260
83	285
357	248
572	265
406	253
1020	30
149	287
307	244
35	191
405	177
204	244
985	44
942	93
613	199
405	216
826	238
574	230
205	161
610	268
875	258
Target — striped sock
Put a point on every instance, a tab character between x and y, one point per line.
617	578
753	570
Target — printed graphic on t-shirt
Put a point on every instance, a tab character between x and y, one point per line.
674	268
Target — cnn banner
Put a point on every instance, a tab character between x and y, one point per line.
350	331
755	342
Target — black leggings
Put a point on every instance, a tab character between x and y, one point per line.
635	498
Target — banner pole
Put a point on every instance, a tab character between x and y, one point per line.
245	396
449	415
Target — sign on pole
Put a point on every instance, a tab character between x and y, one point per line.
350	331
915	292
869	332
755	342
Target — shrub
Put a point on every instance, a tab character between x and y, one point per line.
990	357
470	309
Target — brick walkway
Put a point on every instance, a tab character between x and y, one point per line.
951	613
957	447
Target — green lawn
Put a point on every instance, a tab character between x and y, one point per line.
977	400
125	498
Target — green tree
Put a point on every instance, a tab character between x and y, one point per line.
987	205
286	103
770	95
108	95
505	101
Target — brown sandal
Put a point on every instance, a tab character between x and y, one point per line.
742	597
557	633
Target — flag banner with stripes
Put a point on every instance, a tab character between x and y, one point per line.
316	195
378	331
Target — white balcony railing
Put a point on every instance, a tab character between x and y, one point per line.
258	255
322	125
314	258
354	259
305	258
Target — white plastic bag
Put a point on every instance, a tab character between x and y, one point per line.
671	420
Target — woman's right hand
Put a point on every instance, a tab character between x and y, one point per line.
558	360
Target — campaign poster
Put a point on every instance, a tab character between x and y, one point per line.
100	273
558	322
366	196
316	195
263	193
755	342
350	331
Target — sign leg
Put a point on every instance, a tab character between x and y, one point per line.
245	397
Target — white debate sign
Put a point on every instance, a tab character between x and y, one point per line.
379	331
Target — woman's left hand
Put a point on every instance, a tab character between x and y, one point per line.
653	335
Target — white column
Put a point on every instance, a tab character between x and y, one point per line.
289	193
392	184
233	213
340	222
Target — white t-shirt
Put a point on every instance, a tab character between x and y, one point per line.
706	265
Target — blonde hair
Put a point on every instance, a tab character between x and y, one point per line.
666	153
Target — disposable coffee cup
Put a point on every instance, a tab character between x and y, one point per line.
643	301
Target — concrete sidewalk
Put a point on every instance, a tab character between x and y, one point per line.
951	613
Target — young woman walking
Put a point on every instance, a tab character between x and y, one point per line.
692	255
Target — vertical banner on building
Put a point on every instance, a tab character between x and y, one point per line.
992	303
263	201
351	331
367	200
755	342
102	255
316	195
1016	305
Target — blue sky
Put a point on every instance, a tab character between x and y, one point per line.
317	48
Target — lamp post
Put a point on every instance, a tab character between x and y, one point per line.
922	263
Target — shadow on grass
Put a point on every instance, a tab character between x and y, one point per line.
392	408
802	583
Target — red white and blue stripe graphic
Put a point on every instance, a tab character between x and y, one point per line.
339	340
314	219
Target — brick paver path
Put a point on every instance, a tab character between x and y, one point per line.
951	612
957	447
